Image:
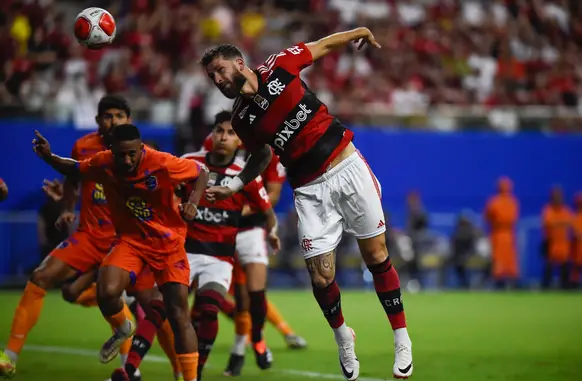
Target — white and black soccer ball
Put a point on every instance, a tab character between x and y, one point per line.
95	28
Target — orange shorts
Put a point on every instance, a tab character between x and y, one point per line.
144	268
81	252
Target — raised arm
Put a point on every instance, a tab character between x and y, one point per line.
64	165
335	41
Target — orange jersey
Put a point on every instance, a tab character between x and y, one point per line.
144	210
557	223
502	213
577	228
95	218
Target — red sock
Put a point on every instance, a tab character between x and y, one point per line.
258	310
387	285
228	307
144	335
207	303
329	299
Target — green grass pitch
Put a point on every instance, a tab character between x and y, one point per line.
456	336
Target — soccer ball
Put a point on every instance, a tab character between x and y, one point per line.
94	28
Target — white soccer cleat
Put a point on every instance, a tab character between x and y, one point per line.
349	363
402	361
110	349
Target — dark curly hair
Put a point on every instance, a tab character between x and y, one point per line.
227	51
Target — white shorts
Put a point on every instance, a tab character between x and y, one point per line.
345	198
251	246
209	269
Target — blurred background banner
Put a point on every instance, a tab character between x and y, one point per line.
454	174
463	97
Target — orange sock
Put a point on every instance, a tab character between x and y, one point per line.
166	340
274	317
117	320
126	346
89	297
26	316
189	365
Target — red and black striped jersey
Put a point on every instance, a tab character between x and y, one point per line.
213	231
274	173
289	117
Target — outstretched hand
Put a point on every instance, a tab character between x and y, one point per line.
40	145
368	38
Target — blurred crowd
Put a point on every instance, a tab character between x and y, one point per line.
492	53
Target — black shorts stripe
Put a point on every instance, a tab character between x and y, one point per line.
255	220
215	249
316	157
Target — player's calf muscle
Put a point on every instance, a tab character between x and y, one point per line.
321	269
176	302
241	296
256	276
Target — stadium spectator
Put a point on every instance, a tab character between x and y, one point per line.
3	190
417	230
439	52
49	235
463	246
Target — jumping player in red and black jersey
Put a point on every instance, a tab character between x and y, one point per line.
335	190
212	236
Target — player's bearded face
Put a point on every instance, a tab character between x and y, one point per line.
227	76
109	119
127	155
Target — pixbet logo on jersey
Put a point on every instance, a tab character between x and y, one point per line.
207	215
291	126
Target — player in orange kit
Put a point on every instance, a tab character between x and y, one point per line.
557	225
577	241
502	214
139	184
82	253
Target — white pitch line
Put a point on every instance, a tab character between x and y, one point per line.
160	359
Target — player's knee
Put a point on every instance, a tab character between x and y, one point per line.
208	304
374	250
68	294
321	280
106	290
43	278
156	312
321	269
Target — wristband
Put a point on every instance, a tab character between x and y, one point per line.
236	184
